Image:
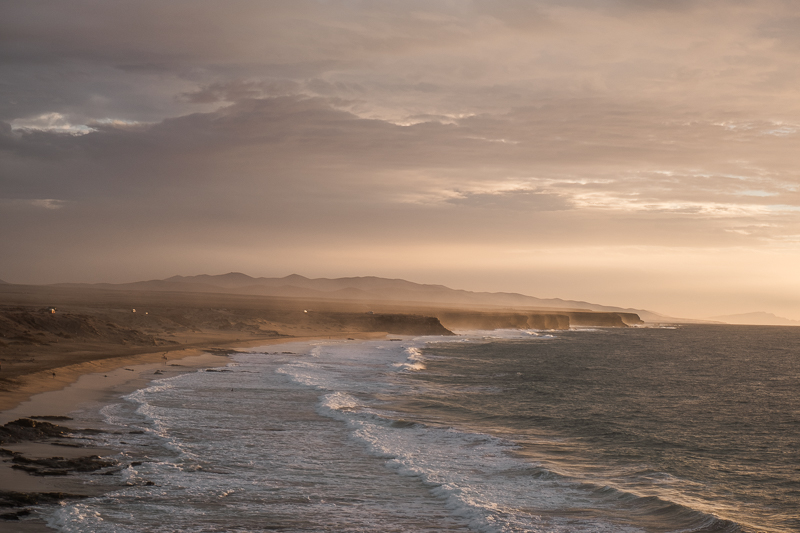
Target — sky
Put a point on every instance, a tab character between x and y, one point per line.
637	153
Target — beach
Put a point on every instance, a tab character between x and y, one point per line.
86	386
63	351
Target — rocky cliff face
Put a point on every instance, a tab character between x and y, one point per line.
608	320
394	323
465	320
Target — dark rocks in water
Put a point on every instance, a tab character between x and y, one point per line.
59	466
26	429
51	417
34	471
66	444
222	351
89	431
9	498
15	515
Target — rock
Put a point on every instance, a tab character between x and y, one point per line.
15	515
59	466
22	499
26	429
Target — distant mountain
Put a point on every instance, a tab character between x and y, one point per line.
369	288
4	282
759	318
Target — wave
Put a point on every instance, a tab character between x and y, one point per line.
414	362
497	492
478	475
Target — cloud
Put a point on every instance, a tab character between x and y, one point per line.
301	125
52	122
47	203
289	149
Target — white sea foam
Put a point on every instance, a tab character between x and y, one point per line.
340	401
474	473
231	451
414	360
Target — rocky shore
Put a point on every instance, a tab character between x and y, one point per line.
45	463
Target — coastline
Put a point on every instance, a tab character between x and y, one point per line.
40	382
87	387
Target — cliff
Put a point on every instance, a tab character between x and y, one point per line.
608	320
394	323
466	320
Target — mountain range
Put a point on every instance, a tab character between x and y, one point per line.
368	288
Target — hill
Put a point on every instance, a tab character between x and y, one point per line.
365	289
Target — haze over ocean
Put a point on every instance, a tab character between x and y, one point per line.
694	428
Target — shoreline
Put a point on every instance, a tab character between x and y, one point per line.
44	381
88	387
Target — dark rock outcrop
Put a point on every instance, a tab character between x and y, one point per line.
59	466
26	429
21	499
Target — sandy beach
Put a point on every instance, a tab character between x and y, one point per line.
87	387
84	387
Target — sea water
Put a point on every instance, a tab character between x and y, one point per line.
690	429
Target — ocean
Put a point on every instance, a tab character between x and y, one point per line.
684	429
